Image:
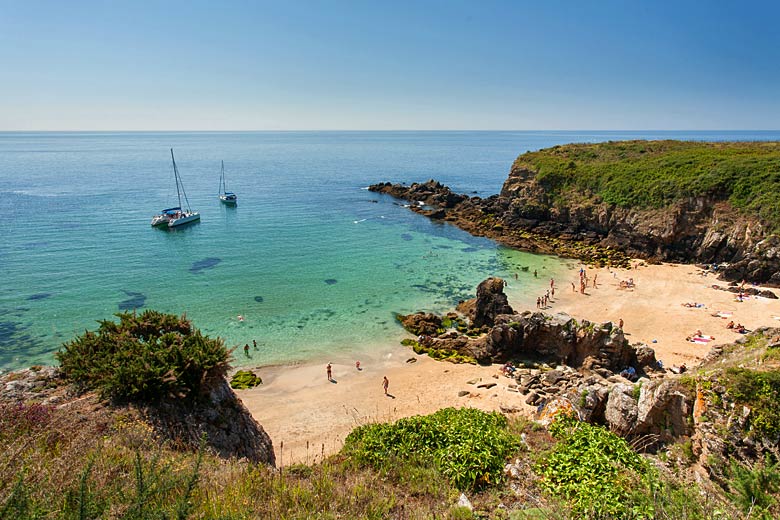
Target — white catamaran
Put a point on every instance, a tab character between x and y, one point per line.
228	197
173	217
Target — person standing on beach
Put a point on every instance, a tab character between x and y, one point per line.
330	372
620	323
594	280
385	384
573	288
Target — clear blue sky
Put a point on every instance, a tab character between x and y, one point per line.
427	64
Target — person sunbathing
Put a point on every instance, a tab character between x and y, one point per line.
730	325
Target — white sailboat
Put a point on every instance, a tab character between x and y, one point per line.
228	197
174	217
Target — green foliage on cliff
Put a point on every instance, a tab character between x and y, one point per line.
761	391
595	470
466	445
144	357
653	174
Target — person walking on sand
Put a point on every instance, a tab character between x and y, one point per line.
385	384
594	280
330	372
573	288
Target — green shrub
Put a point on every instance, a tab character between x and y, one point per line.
144	357
244	379
753	488
468	446
760	391
594	469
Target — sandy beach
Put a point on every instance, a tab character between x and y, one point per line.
308	417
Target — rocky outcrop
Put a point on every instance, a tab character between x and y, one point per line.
221	418
420	323
660	408
526	215
491	302
218	416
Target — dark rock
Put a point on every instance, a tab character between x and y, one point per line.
645	359
533	399
552	377
486	385
491	301
463	393
420	323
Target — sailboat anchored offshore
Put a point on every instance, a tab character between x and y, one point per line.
228	197
174	217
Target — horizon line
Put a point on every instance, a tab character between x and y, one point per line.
401	130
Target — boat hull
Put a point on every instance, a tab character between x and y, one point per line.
160	221
184	219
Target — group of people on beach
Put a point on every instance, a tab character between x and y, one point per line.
329	372
542	302
737	328
585	281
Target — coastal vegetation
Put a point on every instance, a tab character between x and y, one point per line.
654	174
145	357
93	458
468	446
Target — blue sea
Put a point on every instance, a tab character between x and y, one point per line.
313	262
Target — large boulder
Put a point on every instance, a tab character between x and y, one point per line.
659	410
491	301
420	323
622	409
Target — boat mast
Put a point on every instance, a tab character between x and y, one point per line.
176	176
179	190
223	187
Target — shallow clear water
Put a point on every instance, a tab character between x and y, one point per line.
311	260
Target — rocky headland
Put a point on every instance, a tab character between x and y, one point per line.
705	203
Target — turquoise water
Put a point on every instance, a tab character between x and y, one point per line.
311	260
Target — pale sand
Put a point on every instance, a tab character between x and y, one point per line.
307	416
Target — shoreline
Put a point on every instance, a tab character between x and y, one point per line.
308	417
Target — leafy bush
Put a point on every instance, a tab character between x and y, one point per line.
144	357
244	379
468	446
592	468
